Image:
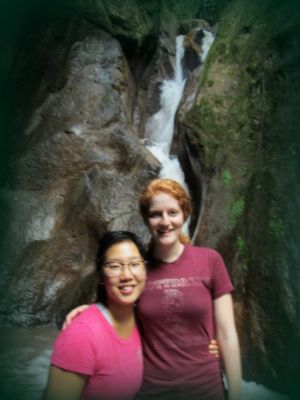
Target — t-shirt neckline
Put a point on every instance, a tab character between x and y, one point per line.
125	341
174	262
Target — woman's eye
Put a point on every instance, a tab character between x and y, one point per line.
173	213
137	264
114	266
154	215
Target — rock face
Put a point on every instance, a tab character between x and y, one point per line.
243	151
79	174
88	78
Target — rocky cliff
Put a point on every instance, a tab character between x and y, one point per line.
244	129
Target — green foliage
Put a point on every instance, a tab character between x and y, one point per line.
208	10
226	177
241	244
236	210
276	224
243	251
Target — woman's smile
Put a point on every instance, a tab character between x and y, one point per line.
165	219
126	289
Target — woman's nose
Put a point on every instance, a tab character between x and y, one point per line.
165	219
126	272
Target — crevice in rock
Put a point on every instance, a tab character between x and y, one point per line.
138	57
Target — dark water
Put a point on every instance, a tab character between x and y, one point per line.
24	363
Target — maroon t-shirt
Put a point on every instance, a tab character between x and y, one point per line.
177	322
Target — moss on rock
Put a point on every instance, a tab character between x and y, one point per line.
245	127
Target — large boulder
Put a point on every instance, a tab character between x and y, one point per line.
78	174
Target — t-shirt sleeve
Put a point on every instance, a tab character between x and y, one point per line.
221	280
73	350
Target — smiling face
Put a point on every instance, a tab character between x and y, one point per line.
124	285
165	219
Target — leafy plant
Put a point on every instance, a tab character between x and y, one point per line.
226	177
235	212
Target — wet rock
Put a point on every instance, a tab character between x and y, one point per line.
123	19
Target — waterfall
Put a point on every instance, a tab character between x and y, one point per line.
207	42
159	128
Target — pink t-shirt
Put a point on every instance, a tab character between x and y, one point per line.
177	322
90	346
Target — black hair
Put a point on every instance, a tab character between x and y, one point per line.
106	241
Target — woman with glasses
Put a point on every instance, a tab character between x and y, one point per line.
99	356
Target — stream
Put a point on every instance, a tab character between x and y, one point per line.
24	361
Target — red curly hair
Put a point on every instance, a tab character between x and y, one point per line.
171	188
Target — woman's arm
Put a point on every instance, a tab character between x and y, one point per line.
63	385
229	344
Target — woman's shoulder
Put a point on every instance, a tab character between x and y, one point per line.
81	337
204	251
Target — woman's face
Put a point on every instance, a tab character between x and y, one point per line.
124	273
165	219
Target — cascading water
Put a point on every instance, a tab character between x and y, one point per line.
160	126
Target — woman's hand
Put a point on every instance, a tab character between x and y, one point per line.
72	314
213	348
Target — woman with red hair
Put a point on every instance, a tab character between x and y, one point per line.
185	304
